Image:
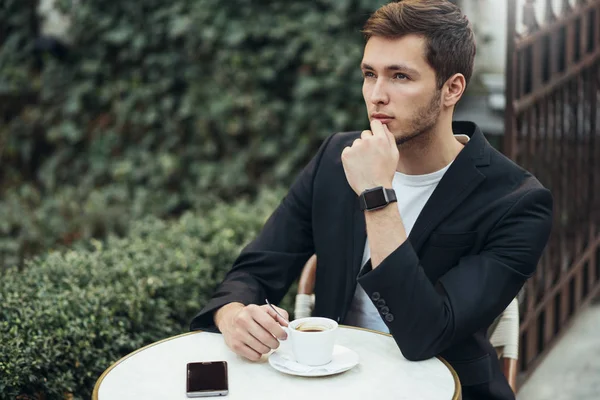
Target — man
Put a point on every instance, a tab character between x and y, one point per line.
434	268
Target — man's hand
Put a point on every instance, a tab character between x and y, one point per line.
371	160
250	331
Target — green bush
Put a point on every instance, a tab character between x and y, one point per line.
17	32
68	316
159	103
32	221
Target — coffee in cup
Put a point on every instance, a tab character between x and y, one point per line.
312	340
308	327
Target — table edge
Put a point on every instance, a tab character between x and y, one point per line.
457	387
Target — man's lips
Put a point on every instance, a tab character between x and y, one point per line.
383	118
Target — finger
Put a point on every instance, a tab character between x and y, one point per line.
279	322
262	334
247	334
366	134
345	152
256	343
283	312
379	131
377	128
390	135
245	351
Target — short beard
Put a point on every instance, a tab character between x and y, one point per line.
422	124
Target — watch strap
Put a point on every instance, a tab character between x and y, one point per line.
391	195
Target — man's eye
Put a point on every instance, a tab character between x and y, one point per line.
400	76
368	74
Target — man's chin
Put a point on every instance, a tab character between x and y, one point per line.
405	138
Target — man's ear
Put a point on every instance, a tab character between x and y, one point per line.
453	89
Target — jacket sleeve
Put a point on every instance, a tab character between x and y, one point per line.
268	265
425	319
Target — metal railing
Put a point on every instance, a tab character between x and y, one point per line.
552	125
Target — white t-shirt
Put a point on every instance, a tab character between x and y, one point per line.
413	192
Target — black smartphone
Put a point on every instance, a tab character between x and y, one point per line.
207	378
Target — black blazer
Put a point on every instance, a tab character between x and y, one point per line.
475	243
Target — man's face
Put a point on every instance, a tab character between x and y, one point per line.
400	87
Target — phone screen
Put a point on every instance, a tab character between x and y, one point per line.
207	378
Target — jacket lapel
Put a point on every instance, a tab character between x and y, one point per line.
461	179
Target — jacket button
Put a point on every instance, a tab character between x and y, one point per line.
385	310
380	303
389	317
375	296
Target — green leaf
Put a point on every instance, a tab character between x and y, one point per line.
180	26
118	36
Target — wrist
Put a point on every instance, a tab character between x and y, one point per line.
382	213
221	316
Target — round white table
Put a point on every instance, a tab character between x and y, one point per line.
158	371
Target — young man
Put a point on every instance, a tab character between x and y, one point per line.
433	268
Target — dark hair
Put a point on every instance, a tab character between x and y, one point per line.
450	40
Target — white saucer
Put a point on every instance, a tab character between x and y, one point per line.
343	360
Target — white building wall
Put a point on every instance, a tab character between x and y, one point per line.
489	19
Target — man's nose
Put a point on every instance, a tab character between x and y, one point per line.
379	93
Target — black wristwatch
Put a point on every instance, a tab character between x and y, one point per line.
376	198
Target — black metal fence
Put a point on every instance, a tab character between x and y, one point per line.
552	128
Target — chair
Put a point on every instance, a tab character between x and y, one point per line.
503	333
504	336
305	299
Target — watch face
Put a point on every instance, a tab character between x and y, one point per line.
375	198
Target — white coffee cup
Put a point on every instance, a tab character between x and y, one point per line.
312	340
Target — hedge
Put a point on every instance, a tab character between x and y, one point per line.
17	35
68	316
159	103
